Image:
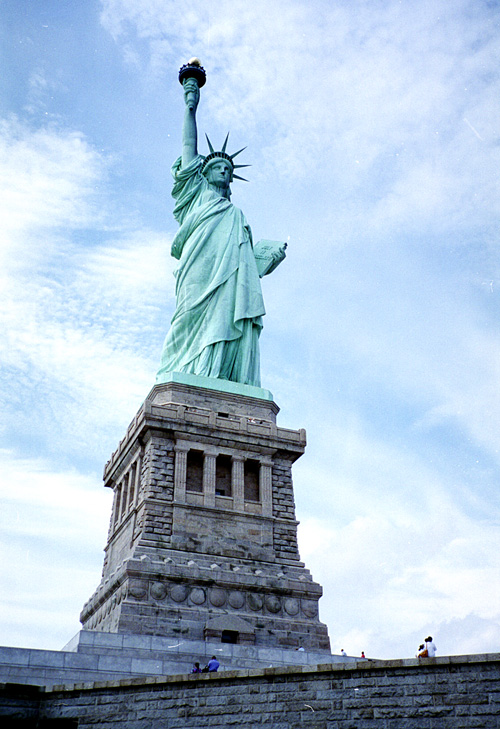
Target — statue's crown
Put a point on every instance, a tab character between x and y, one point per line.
223	155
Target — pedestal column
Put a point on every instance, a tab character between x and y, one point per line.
265	486
181	452
209	478
238	482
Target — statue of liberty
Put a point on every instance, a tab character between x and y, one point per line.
219	306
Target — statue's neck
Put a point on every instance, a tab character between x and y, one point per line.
222	191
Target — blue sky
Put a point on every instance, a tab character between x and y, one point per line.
373	131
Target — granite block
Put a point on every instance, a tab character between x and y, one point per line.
81	660
144	665
51	659
14	656
113	663
130	640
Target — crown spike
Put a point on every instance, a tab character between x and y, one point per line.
212	150
235	167
236	153
225	143
237	177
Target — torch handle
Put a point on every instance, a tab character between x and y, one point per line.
191	93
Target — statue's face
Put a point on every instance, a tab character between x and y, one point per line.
219	173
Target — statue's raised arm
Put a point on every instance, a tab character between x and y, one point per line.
189	131
218	318
192	76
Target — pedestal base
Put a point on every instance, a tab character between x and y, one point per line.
203	537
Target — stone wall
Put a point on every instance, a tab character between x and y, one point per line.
459	692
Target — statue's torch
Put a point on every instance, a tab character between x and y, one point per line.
192	69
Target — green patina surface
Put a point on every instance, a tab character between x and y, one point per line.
216	326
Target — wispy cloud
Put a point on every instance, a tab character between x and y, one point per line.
84	322
47	178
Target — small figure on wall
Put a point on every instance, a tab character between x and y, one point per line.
213	665
430	646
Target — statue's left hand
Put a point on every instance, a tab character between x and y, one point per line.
280	254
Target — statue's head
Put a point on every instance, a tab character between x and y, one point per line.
220	161
219	172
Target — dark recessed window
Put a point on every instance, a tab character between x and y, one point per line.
194	471
223	467
229	636
252	469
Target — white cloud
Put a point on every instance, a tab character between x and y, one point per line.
399	544
54	527
47	178
409	574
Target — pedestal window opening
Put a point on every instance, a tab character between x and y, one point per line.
252	490
223	470
194	471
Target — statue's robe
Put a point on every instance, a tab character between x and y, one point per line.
217	322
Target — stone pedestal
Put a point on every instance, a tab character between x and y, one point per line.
202	543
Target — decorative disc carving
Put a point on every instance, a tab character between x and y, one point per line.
255	602
309	608
292	606
236	600
179	593
217	596
273	604
137	590
198	596
158	590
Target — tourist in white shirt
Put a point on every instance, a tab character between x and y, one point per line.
431	648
